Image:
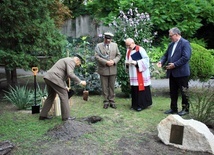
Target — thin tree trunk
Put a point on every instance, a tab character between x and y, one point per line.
11	76
14	77
8	77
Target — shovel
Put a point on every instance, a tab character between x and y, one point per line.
35	107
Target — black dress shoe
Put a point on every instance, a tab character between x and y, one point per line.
170	111
105	106
69	118
139	109
113	106
44	118
183	112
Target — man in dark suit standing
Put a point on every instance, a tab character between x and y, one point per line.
177	58
107	55
55	79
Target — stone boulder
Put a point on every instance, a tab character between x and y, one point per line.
5	147
186	134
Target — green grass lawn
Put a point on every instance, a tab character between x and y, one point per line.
25	130
28	134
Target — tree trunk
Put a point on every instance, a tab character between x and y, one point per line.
11	77
8	77
14	77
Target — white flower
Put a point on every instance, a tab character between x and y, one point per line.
100	35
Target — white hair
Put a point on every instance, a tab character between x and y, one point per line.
129	40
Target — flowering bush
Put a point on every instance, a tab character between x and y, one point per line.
131	25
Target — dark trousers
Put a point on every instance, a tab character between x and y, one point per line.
54	89
176	84
108	84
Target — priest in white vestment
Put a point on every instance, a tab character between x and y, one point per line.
137	64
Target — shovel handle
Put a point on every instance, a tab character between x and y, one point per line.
35	70
69	83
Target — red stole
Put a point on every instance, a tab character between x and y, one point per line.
139	74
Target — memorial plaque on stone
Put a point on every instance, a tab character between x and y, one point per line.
176	134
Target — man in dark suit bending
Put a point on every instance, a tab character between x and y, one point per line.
177	58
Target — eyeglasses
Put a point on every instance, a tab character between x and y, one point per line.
171	35
128	45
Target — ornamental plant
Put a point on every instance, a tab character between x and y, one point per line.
85	47
21	97
202	103
201	63
131	24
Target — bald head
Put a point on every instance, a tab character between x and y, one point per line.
130	43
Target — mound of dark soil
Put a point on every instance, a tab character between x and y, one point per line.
70	129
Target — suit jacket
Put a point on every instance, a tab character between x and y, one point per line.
180	58
102	55
61	71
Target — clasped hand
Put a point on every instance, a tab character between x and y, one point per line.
110	63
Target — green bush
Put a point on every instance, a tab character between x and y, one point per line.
201	63
211	51
156	72
155	55
200	42
21	97
202	104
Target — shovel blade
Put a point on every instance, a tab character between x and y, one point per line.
35	109
70	93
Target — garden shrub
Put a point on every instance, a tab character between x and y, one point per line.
20	96
156	72
201	63
155	55
85	46
202	104
200	42
211	51
23	97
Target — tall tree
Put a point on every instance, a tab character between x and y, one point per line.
189	15
59	12
77	7
27	30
